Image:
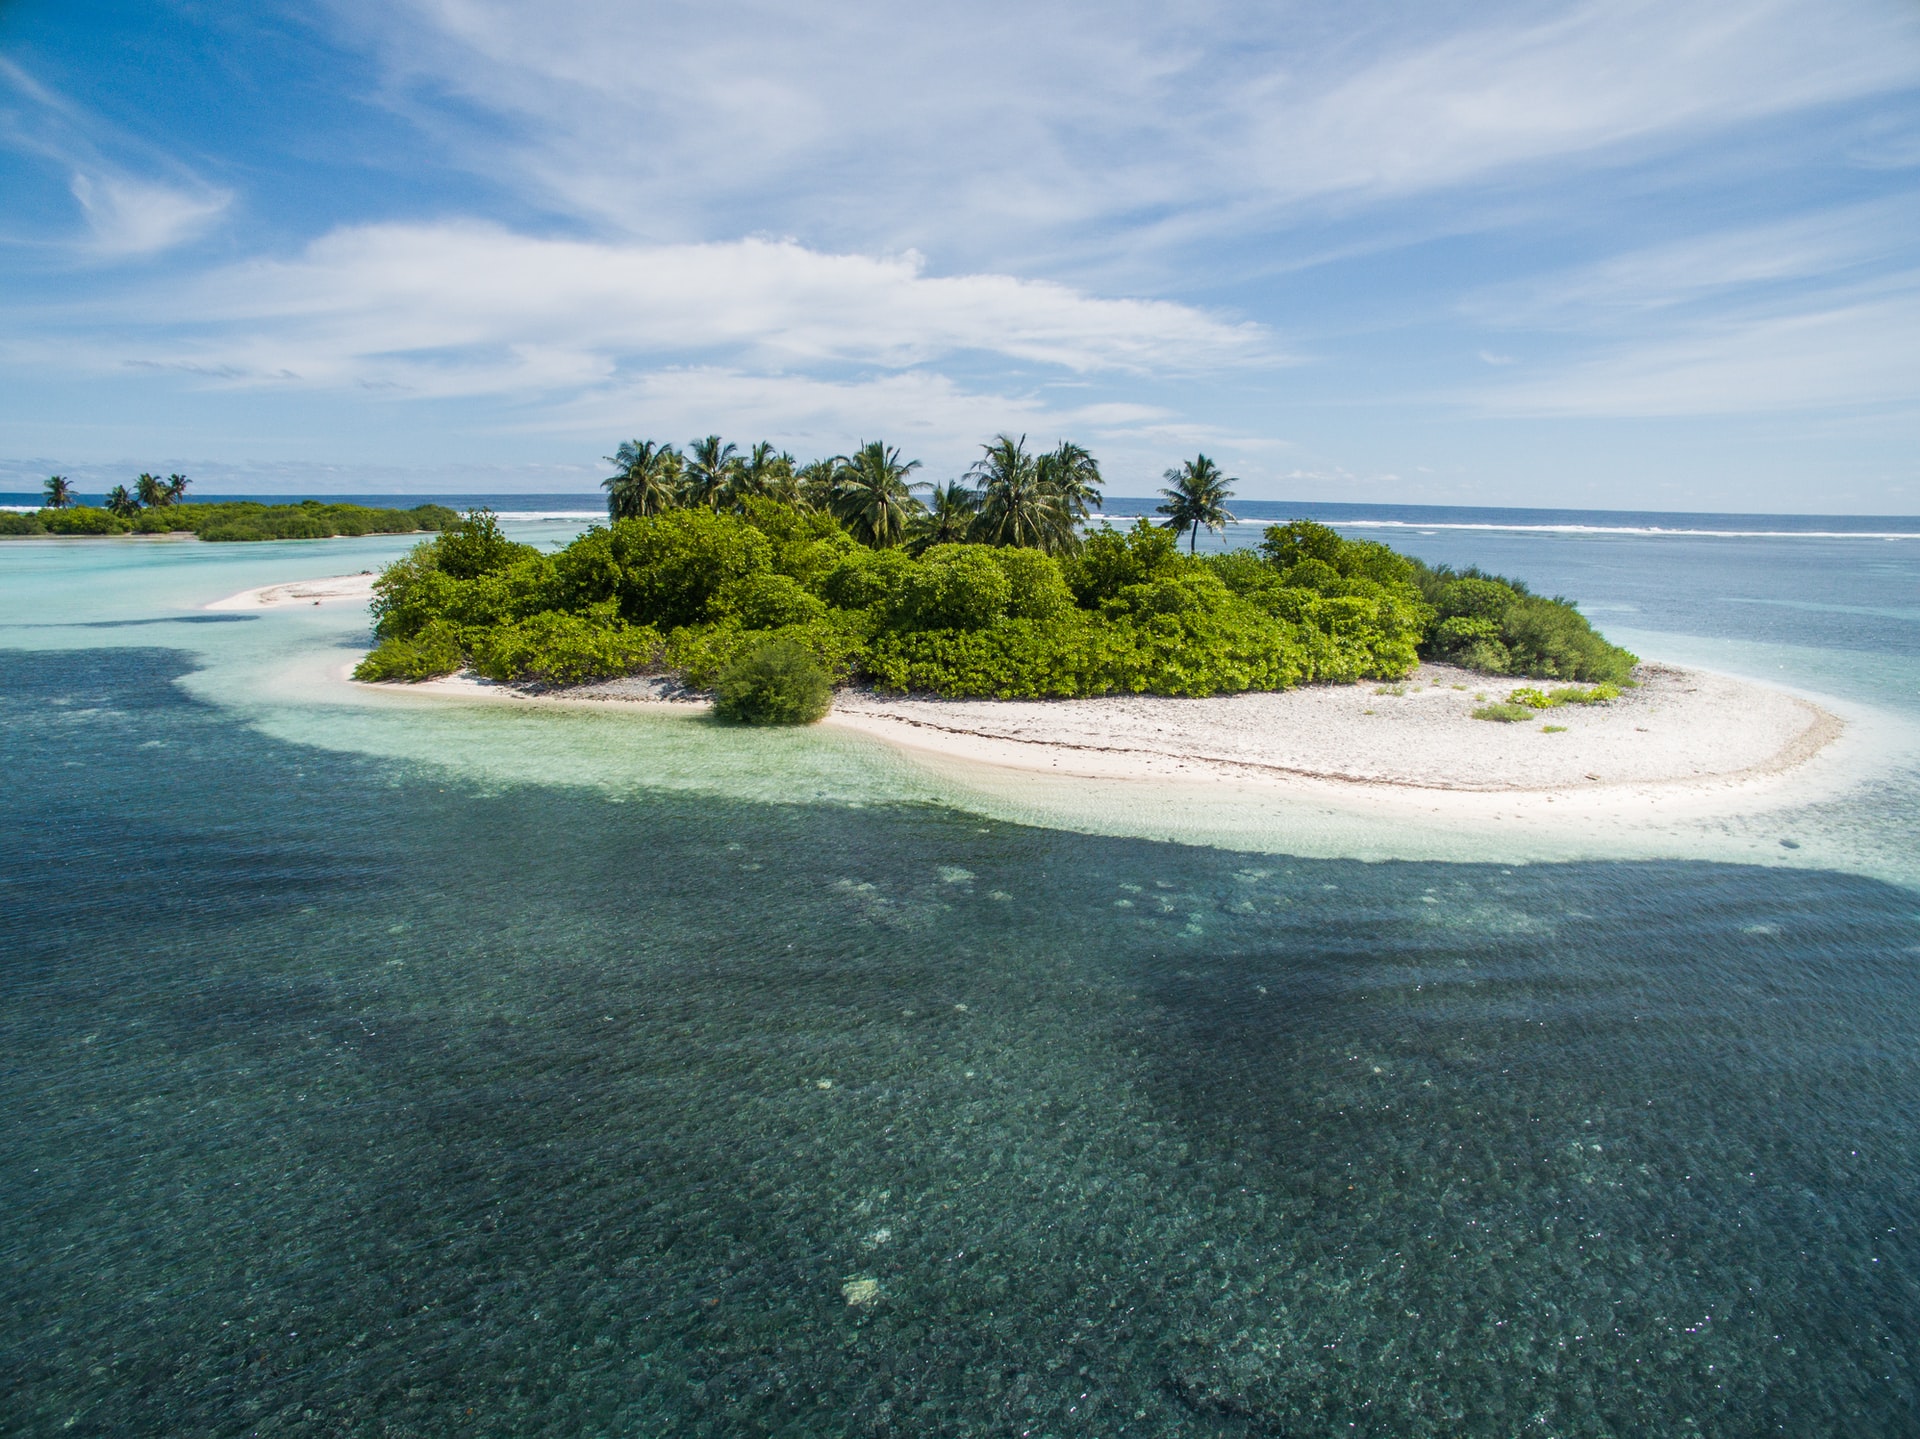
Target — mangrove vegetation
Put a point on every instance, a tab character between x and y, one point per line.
768	581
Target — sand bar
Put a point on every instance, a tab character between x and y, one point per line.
334	590
1679	735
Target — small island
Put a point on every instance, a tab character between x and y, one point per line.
156	506
771	590
1001	626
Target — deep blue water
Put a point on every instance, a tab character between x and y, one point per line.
344	1093
343	1098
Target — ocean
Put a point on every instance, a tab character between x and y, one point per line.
377	1065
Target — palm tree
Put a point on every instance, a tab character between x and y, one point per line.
1017	505
871	495
152	491
764	474
949	516
647	483
711	467
177	488
121	503
59	494
814	482
1074	475
1198	497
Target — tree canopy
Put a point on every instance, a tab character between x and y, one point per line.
695	592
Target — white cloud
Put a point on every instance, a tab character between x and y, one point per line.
1511	91
136	217
1846	351
129	210
1632	287
1006	130
466	309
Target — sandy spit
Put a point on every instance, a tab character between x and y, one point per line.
1680	734
334	590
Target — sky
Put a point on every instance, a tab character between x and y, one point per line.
1617	255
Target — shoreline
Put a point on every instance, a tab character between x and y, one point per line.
1682	740
333	590
1684	744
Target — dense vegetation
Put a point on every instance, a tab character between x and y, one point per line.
169	513
878	592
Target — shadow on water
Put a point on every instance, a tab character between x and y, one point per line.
135	624
342	1097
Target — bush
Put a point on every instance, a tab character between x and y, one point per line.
867	579
434	652
1497	627
668	568
768	601
954	587
775	683
1550	639
557	648
1111	560
700	593
1037	589
83	520
14	523
474	546
1504	713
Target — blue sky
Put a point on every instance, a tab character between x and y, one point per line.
1643	255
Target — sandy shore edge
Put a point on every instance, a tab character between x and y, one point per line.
333	590
1679	737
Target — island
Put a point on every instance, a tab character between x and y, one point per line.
1001	625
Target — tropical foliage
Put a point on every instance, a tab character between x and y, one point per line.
1196	496
222	520
1499	626
700	594
58	492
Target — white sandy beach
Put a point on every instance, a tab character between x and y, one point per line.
1680	738
334	590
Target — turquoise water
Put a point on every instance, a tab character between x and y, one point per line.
383	1067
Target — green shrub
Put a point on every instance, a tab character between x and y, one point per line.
1477	599
775	683
474	546
768	601
12	522
558	648
1110	560
699	592
1037	589
701	653
955	587
435	651
867	579
670	567
1533	699
83	520
1574	695
1550	639
1503	713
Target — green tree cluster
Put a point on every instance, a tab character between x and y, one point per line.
156	506
1012	496
700	592
1498	626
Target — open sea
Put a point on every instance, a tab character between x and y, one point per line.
372	1065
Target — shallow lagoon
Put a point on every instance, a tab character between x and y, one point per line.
351	1091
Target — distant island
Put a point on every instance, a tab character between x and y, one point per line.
770	583
155	506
